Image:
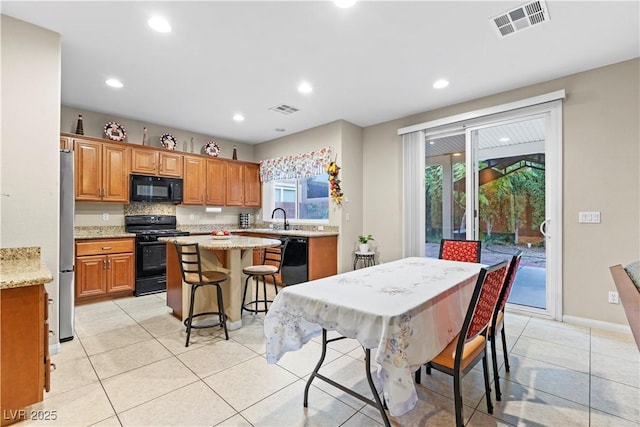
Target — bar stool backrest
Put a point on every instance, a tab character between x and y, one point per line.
275	255
189	261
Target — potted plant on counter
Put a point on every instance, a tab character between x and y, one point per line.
364	242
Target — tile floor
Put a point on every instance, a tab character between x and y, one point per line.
128	366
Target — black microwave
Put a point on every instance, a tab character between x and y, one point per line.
157	189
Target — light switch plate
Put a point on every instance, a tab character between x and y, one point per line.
589	217
105	216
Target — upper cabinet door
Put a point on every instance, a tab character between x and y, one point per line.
235	184
144	162
216	182
115	173
88	170
252	186
194	181
171	164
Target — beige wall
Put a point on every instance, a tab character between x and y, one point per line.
30	176
601	172
93	125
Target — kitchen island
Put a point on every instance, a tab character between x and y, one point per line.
227	255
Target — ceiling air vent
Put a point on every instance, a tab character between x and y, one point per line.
521	18
284	109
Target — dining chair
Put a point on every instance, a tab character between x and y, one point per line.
497	321
460	250
191	269
469	347
272	259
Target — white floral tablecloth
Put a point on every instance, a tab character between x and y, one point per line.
409	310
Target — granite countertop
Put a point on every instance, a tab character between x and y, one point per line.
100	232
22	267
233	242
266	231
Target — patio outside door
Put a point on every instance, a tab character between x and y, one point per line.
496	180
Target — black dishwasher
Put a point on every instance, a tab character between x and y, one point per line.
294	266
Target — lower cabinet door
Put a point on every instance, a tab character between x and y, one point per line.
120	272
90	276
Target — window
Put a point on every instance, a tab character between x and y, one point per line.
304	198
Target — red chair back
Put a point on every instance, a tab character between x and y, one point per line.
511	277
488	299
460	250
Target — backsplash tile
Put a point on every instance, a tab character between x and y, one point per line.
141	208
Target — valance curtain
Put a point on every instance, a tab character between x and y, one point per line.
303	165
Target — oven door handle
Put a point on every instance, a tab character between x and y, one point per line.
151	243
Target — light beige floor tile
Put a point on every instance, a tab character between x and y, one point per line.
561	382
548	331
350	373
79	407
616	399
344	346
431	410
192	405
235	421
361	420
552	353
138	302
68	351
473	389
252	336
623	337
162	325
480	419
302	362
619	370
285	408
85	329
71	374
109	422
525	406
221	355
602	419
175	343
110	363
560	325
514	324
249	382
141	385
149	311
114	339
95	310
613	346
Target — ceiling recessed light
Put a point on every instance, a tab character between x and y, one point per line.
238	117
457	154
344	3
114	83
159	24
440	84
504	139
305	88
431	142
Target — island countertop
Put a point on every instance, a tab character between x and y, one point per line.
22	267
233	242
266	231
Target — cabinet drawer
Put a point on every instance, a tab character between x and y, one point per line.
99	247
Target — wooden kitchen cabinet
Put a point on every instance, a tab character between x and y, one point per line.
204	181
104	268
149	161
101	171
25	361
243	184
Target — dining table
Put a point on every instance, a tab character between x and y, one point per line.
408	310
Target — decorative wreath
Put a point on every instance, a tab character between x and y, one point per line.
334	183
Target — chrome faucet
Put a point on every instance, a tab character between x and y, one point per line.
286	224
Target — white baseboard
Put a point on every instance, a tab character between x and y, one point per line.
591	323
54	348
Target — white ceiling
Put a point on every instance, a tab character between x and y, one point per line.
368	64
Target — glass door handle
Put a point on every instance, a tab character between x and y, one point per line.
543	228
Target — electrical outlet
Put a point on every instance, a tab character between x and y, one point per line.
321	228
192	217
105	216
613	297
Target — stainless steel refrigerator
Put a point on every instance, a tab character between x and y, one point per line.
67	255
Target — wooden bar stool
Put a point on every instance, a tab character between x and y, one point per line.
272	259
191	268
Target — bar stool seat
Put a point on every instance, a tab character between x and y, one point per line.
191	269
368	259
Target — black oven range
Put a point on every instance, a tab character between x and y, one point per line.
151	255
